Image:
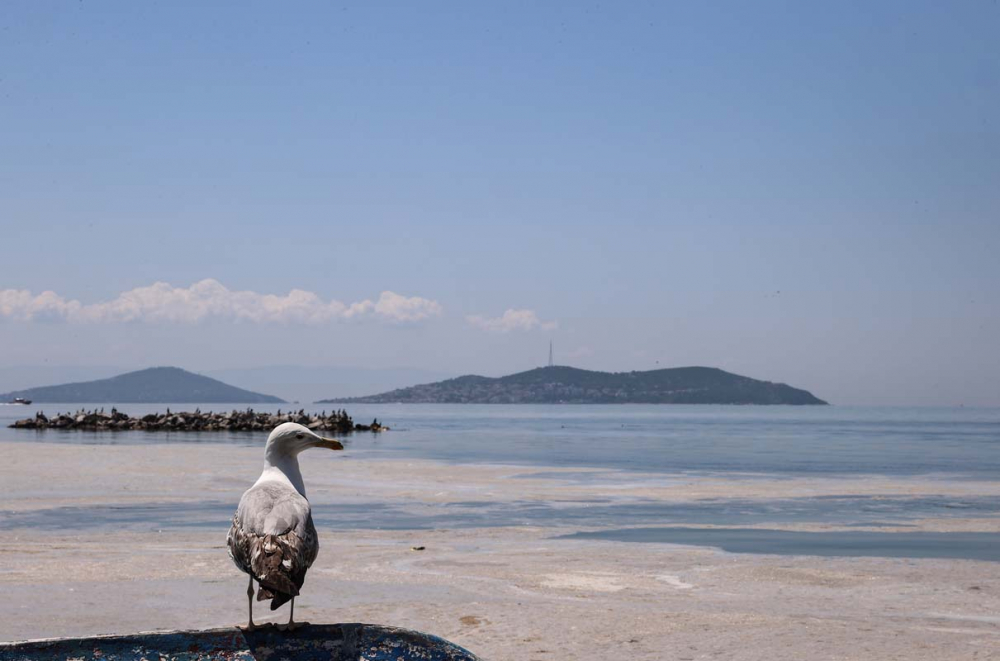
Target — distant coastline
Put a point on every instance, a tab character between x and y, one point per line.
570	385
196	421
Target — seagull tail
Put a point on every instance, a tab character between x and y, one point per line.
279	590
279	599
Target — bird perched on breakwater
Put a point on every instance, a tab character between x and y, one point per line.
273	538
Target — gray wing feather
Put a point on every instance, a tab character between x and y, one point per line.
273	539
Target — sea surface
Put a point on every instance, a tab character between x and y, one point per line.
782	440
626	443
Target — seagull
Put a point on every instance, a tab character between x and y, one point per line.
273	538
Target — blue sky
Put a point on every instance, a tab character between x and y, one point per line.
802	192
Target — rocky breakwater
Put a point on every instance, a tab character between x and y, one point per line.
197	421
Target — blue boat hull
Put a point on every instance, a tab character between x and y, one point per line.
329	642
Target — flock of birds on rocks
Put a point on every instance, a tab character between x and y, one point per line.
248	420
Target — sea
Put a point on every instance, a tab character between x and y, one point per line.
626	444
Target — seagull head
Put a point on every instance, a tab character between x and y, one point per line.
291	438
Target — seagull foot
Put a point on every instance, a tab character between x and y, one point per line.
292	626
258	627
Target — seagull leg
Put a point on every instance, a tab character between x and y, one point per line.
292	624
250	626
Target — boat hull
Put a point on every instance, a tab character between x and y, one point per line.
329	642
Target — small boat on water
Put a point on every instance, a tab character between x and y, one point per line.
20	400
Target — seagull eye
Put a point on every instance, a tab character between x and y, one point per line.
299	436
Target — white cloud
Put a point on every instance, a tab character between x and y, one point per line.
511	320
391	305
211	299
21	305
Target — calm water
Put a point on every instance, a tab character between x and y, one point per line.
961	442
931	444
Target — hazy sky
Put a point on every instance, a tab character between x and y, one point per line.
800	192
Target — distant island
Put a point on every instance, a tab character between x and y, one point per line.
149	386
569	385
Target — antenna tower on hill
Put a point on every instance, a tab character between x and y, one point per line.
550	354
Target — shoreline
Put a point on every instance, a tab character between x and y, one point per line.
503	592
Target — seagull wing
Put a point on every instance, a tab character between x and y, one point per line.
274	540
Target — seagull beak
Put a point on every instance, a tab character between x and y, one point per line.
328	443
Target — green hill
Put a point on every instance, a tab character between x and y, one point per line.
569	385
149	386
